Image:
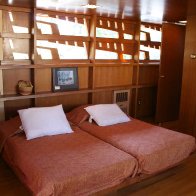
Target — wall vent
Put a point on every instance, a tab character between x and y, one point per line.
122	98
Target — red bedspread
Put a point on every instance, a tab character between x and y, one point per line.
68	164
154	147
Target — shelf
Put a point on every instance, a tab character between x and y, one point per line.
81	91
114	64
149	64
64	64
62	37
115	40
16	35
41	95
31	66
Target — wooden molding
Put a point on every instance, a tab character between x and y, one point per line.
15	9
1	49
62	38
61	13
16	35
80	91
15	62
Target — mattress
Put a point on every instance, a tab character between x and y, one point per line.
155	148
67	164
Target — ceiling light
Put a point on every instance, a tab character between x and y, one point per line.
91	6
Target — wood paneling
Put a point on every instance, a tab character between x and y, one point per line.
168	10
11	107
97	79
148	75
14	21
11	46
135	75
113	76
103	97
146	102
15	36
11	78
188	95
83	76
43	79
68	101
133	103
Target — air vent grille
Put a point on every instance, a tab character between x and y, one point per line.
122	98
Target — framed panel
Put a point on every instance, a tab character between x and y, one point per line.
65	79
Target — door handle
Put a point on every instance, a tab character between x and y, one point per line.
162	76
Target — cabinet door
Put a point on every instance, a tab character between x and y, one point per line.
170	74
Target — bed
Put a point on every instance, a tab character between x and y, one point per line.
66	164
155	148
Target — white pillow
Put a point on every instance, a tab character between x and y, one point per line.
43	121
107	114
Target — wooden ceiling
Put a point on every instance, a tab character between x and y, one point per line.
147	10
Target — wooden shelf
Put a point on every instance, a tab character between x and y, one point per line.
32	66
149	64
16	35
62	37
81	91
115	40
115	64
11	66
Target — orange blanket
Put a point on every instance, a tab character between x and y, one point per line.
154	147
68	164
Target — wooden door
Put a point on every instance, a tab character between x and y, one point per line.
170	74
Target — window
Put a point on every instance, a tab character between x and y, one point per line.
105	33
114	40
72	26
74	44
150	42
154	33
15	24
65	50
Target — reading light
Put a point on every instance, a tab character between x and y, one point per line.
91	6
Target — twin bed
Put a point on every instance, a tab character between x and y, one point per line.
93	157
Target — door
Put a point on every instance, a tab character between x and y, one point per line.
170	73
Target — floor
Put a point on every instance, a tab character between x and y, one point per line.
183	183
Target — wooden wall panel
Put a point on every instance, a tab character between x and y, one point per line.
133	101
188	94
83	77
148	75
11	78
146	103
103	97
135	70
68	101
106	74
43	79
11	46
16	21
11	107
113	76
